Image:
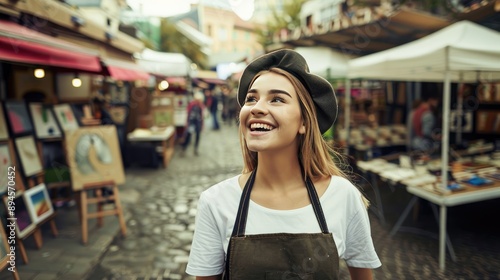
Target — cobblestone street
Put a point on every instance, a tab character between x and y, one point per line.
160	207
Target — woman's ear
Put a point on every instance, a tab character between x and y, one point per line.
302	129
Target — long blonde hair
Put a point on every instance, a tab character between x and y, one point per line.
315	155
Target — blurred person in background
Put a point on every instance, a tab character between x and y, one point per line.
195	114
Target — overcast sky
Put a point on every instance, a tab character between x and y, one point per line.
166	8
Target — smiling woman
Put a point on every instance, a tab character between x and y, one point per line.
278	218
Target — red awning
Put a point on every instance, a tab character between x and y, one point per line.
21	44
124	74
124	70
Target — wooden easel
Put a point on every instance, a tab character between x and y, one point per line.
98	199
4	263
37	235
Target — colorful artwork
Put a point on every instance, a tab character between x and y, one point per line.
44	121
28	155
38	203
4	133
93	155
5	163
65	117
24	223
18	117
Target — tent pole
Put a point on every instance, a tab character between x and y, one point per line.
460	112
347	112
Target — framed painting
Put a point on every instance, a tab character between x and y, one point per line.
8	163
4	132
38	203
44	121
24	223
18	117
118	114
93	155
28	155
66	117
465	121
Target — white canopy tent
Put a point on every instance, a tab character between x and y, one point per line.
163	63
325	62
461	52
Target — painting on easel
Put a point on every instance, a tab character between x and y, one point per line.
93	156
44	121
28	155
5	163
4	247
24	223
4	133
38	203
18	117
66	117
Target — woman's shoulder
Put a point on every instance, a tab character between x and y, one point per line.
223	189
339	184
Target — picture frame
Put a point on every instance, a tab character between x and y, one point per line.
466	121
8	159
93	155
66	117
18	117
38	203
118	114
28	155
45	122
24	222
4	132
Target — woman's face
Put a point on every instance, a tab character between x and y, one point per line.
271	117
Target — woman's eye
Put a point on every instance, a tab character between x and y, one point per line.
278	99
250	99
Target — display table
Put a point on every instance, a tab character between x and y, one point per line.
163	138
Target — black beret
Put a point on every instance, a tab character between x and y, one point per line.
291	61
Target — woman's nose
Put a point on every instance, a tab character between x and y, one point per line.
259	108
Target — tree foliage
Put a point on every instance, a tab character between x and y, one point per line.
288	18
174	41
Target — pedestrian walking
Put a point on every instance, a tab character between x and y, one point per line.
212	103
292	213
195	122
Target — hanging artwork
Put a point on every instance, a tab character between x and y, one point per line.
65	117
465	121
118	114
28	155
44	121
4	133
38	203
93	155
24	223
18	117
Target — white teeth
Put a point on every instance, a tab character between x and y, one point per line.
261	126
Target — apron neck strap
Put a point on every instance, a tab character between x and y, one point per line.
241	217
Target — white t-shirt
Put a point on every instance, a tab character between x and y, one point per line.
345	214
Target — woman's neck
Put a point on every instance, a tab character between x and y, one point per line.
278	171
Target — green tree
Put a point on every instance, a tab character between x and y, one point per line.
174	41
288	18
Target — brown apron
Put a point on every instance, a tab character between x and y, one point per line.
280	256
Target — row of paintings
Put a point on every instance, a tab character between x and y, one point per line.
33	206
48	121
93	155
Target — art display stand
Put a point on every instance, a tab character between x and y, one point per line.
4	259
54	187
99	199
36	233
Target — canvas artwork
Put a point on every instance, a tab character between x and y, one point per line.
18	117
38	203
66	117
93	155
24	223
4	133
118	114
5	163
4	247
44	121
28	155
